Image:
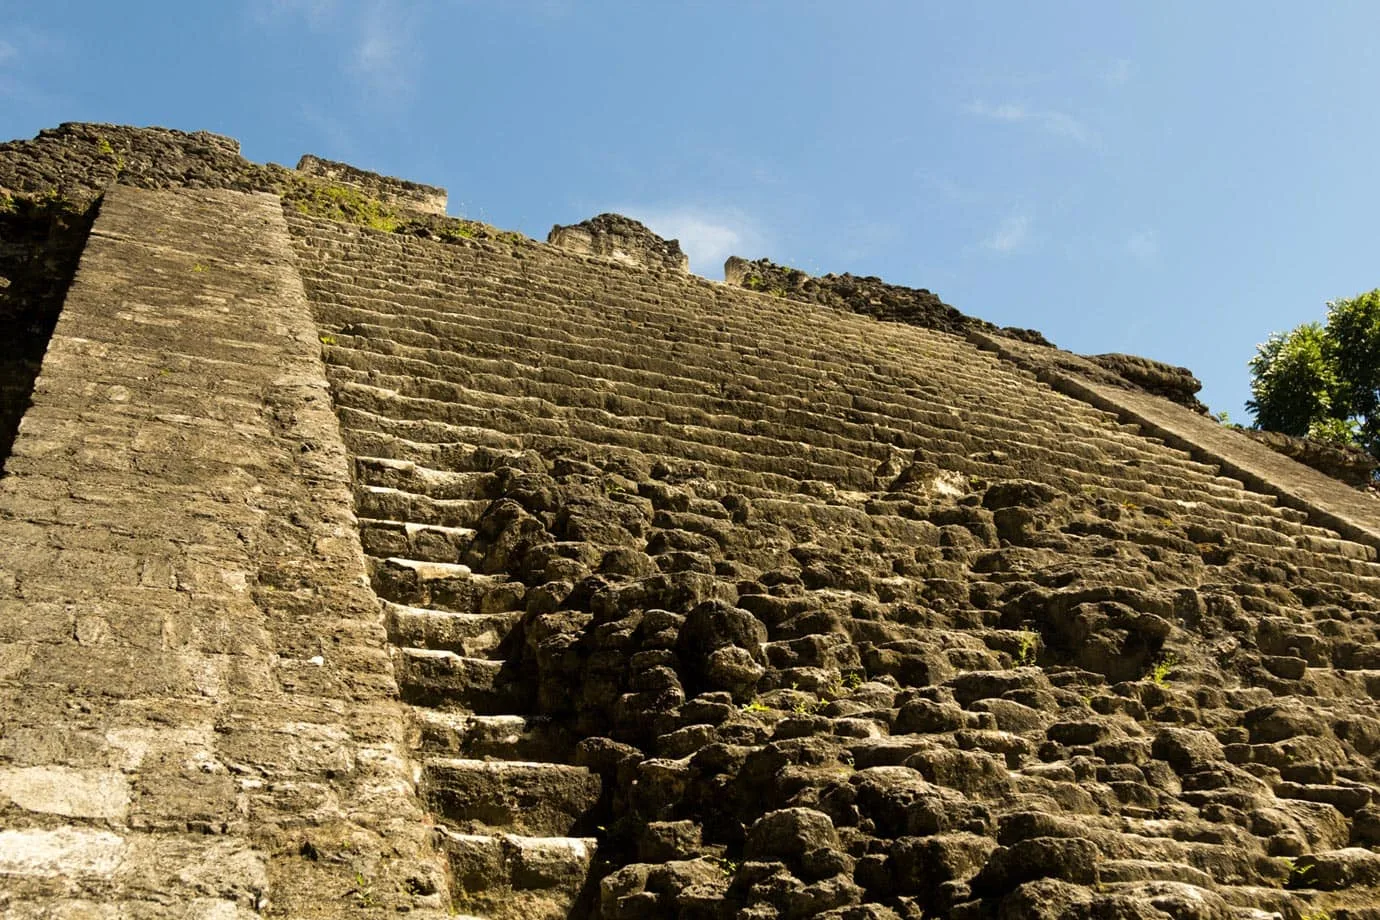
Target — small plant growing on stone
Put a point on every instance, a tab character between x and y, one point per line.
754	283
1160	672
103	147
755	705
1026	647
458	232
364	891
727	866
327	339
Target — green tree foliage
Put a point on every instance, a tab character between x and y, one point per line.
1323	380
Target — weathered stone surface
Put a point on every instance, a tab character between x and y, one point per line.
227	694
429	199
791	612
1351	465
622	239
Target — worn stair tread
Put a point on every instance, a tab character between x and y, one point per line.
449	587
446	680
515	877
526	797
510	737
466	634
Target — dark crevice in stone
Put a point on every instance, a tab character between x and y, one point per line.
41	241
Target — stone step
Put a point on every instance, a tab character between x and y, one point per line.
997	404
424	542
472	635
410	476
383	502
527	307
447	681
429	321
794	347
647	434
512	877
442	586
861	428
523	797
457	455
364	430
1212	486
824	377
505	737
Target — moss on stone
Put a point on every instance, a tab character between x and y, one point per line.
340	202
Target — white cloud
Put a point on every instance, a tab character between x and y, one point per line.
385	53
708	237
1143	245
1013	234
1006	112
1058	123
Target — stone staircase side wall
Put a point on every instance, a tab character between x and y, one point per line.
1330	503
199	712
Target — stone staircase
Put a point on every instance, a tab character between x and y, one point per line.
515	818
791	461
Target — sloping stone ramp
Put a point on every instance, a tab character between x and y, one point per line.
197	712
713	605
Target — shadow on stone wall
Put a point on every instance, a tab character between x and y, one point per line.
41	241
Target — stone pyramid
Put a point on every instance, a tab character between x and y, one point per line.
360	561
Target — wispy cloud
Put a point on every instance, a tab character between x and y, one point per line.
1055	122
24	52
385	52
378	39
707	236
943	186
1118	72
1143	245
313	12
1012	235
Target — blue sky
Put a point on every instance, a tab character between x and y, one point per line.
1172	179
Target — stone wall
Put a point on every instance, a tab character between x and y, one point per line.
773	600
77	161
620	238
428	199
196	698
1351	465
